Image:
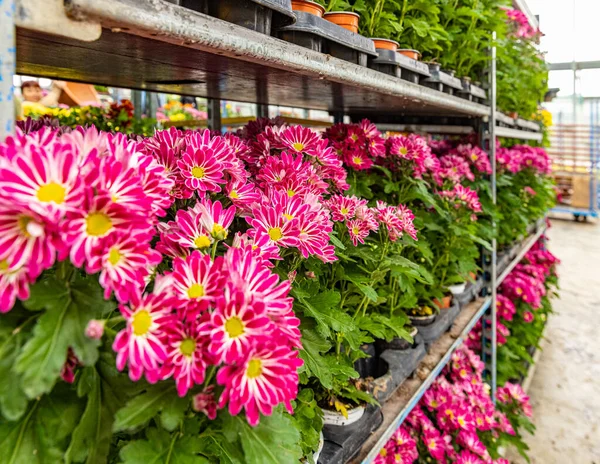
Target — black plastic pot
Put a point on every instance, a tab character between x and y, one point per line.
399	365
259	15
441	80
367	367
396	343
465	92
310	31
442	323
423	321
387	62
343	442
412	70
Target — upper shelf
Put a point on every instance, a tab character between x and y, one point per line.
155	45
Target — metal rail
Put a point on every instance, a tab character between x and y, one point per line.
518	134
402	413
7	67
525	247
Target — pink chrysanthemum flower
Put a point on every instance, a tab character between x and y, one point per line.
465	457
261	247
46	179
358	230
85	229
249	274
242	195
125	262
14	283
235	326
201	170
269	221
214	218
26	239
142	344
189	231
185	355
358	160
299	139
197	279
268	376
342	208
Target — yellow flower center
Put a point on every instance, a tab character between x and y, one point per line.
461	421
254	368
474	156
519	291
202	241
233	194
187	347
198	172
434	404
4	265
98	224
141	323
298	146
383	453
219	232
403	150
51	192
357	160
344	210
354	137
355	230
289	217
234	327
291	193
114	256
114	198
449	413
275	233
196	291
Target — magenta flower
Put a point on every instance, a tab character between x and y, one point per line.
269	221
268	376
299	139
14	283
142	344
201	170
185	357
205	402
197	279
94	329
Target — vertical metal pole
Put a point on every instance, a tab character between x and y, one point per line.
8	51
214	114
494	200
136	99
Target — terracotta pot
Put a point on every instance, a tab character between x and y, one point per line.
513	115
412	54
445	303
346	19
473	276
385	44
308	7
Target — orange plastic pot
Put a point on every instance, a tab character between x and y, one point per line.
513	115
445	303
412	54
385	44
346	19
473	276
308	7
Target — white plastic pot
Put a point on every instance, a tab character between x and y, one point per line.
458	288
336	418
318	452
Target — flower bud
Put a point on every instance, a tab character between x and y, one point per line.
94	329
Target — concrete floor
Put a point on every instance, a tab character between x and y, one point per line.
565	391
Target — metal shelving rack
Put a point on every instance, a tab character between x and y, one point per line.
158	46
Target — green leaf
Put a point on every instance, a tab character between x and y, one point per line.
336	241
62	326
39	436
320	308
173	411
106	390
274	441
142	408
313	345
161	447
13	401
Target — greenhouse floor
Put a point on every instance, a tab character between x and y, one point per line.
565	390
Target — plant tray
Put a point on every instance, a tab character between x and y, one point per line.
439	80
343	442
400	365
259	15
412	70
323	36
464	298
478	93
387	62
442	323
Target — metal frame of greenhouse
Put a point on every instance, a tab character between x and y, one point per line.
158	46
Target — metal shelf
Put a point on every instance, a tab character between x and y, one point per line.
529	125
155	45
522	5
518	134
397	408
524	248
